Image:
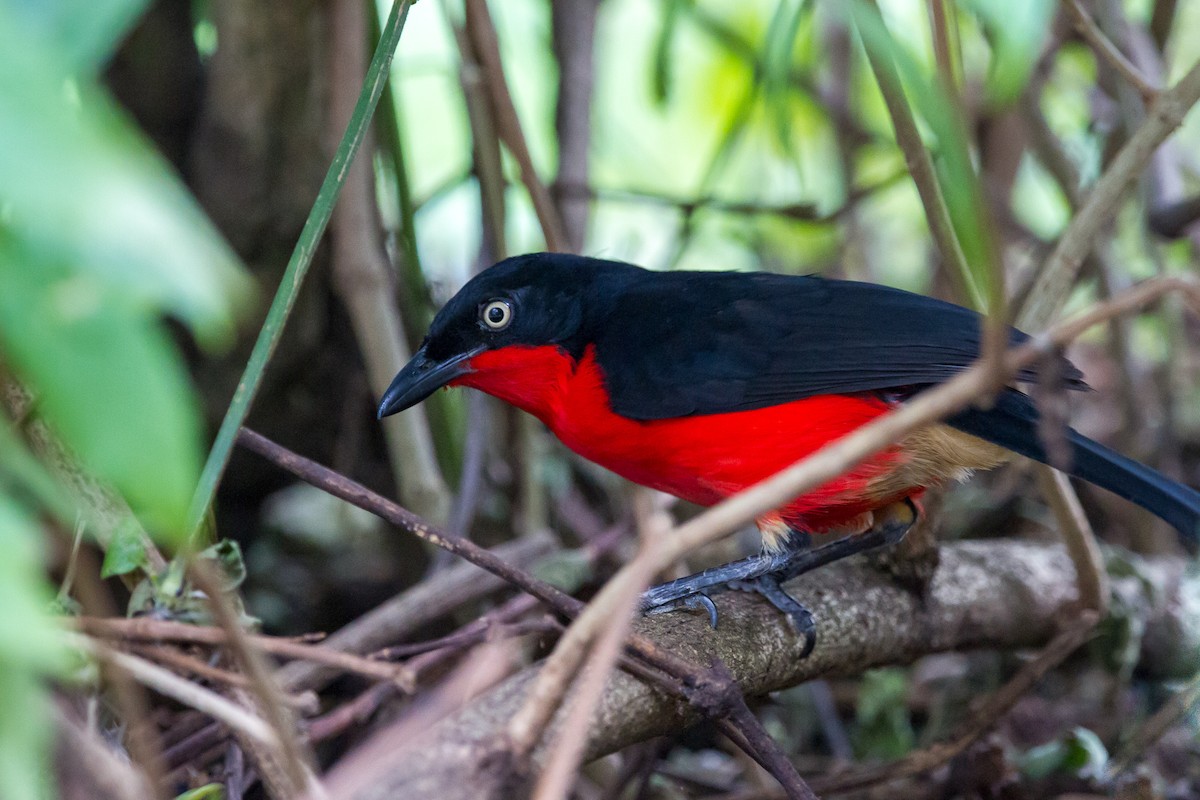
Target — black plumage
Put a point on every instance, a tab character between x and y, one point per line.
679	344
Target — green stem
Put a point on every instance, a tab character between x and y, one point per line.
877	42
414	294
293	277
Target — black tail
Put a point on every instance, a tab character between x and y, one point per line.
1012	423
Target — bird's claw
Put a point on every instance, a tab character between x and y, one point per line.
801	618
766	585
697	601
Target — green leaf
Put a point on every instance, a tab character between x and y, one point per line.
959	183
227	555
882	725
126	551
107	380
82	187
30	647
1016	30
212	791
566	569
25	735
85	31
1080	753
664	50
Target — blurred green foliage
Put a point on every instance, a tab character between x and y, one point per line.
882	728
671	76
1080	753
99	242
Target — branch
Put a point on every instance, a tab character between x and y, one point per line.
920	165
999	594
508	123
104	511
574	40
361	277
1107	50
1058	274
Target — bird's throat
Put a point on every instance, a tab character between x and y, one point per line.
534	379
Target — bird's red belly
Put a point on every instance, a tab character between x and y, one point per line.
703	459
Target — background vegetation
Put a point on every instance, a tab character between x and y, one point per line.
163	172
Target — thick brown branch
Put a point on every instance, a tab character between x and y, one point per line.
993	594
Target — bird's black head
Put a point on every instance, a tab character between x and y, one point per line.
530	300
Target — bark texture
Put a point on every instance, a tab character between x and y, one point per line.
994	594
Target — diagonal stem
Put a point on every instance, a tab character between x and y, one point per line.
298	264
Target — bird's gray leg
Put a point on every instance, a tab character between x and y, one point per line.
766	572
692	591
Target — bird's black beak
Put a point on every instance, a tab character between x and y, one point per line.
421	377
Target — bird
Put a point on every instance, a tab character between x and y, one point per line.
702	383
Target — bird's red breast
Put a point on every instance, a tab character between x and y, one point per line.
702	458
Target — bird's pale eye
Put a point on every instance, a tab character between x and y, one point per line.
497	314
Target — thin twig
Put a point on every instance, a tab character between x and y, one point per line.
362	280
398	618
1077	535
182	662
1058	273
759	745
471	635
1105	48
363	706
294	761
508	123
1153	728
607	620
358	495
166	630
184	691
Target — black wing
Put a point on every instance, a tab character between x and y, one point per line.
682	343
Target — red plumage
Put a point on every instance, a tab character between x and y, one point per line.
703	459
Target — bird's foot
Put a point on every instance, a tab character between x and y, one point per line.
697	601
693	591
800	617
765	573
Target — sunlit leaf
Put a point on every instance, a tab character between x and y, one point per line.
1080	753
107	380
212	791
30	648
85	31
1017	29
952	159
126	551
82	187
